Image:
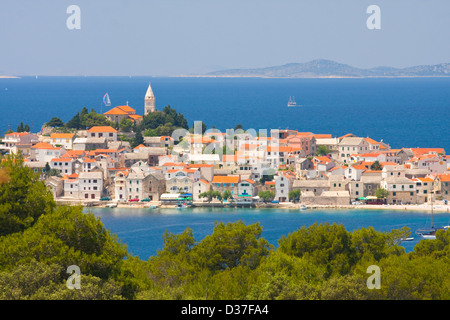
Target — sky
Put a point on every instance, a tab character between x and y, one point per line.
182	37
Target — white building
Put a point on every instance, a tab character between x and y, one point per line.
62	140
45	152
90	185
107	132
283	184
64	165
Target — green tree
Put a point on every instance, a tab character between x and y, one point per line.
23	128
295	195
126	125
75	122
137	140
322	151
23	198
55	122
231	245
227	195
381	193
324	244
376	165
266	195
93	118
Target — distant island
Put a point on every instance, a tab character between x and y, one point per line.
321	68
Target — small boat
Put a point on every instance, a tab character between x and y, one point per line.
111	205
430	233
303	207
106	100
291	102
407	239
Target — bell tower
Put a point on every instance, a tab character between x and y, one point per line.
149	101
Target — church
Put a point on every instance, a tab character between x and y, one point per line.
119	113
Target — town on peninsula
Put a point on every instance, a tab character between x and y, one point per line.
121	158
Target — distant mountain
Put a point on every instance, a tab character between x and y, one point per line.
321	68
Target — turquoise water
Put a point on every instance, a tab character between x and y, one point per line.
407	112
142	229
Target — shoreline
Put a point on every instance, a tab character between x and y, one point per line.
423	208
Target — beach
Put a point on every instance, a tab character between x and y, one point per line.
422	208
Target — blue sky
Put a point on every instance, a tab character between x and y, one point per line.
174	37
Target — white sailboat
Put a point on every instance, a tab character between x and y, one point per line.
430	233
291	102
106	100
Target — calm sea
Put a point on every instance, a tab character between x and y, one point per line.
142	229
407	112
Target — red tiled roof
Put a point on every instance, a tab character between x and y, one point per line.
225	179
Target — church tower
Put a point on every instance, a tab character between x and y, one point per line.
149	101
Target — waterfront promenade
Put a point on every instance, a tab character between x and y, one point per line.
283	205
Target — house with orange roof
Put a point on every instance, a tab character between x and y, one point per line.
374	146
107	132
442	186
401	190
16	142
247	188
354	172
368	157
222	183
424	189
66	166
119	113
120	185
199	144
349	146
90	165
180	184
144	185
434	163
62	140
200	187
171	166
206	170
424	151
161	141
277	155
331	144
71	186
45	152
283	185
193	173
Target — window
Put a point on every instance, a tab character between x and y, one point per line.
411	193
357	193
394	186
394	193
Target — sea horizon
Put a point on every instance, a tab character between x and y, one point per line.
403	112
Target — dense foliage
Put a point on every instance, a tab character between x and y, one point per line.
39	240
